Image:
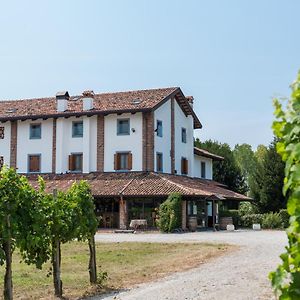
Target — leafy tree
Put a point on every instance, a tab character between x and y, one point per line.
266	182
22	225
286	279
70	216
245	159
226	171
85	221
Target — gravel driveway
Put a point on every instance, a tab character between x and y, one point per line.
241	274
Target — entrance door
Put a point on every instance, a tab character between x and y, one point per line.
209	213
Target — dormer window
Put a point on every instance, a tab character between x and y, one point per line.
123	127
77	129
183	135
35	131
159	128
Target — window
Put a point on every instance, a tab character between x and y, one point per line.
183	135
1	133
184	166
1	162
123	127
34	163
159	162
75	162
77	129
123	161
159	128
203	169
35	131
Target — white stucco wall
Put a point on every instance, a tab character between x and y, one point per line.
183	149
163	144
131	142
208	166
5	143
42	146
66	144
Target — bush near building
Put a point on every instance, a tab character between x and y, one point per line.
170	213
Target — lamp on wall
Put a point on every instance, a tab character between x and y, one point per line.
133	129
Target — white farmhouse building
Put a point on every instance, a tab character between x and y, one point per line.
133	147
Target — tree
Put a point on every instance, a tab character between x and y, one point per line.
245	159
226	171
85	221
266	182
71	216
286	279
22	225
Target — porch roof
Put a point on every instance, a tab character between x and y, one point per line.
140	184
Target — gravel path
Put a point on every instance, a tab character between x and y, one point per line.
238	275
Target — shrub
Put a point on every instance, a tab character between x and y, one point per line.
285	218
246	208
170	213
271	221
249	220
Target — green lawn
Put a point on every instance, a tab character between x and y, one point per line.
126	263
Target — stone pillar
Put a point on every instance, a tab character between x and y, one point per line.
13	144
123	214
148	141
54	146
100	143
172	152
183	217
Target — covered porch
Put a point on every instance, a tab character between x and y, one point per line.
123	197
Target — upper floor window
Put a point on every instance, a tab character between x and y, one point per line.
75	162
183	135
123	127
34	163
77	129
184	166
159	128
203	169
1	162
35	131
1	133
123	161
159	162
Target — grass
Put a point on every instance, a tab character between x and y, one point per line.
126	264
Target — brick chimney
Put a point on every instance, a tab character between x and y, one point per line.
190	99
62	101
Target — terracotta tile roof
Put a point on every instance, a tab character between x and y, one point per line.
140	184
205	153
131	101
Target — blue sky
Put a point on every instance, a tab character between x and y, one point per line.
232	56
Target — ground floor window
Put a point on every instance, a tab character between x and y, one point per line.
107	212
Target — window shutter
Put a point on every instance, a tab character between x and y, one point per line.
1	132
182	165
71	163
186	166
34	163
129	161
116	161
